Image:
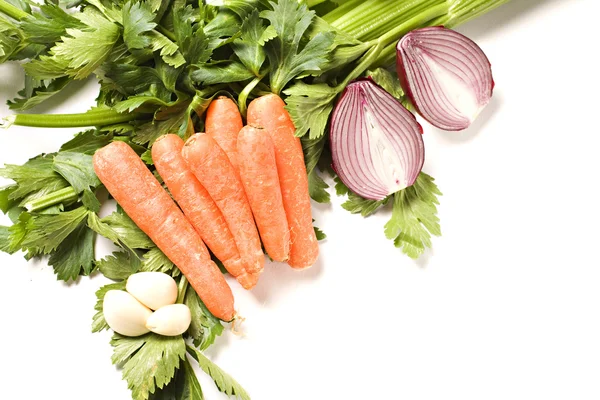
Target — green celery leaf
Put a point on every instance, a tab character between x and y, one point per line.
5	240
250	47
317	188
38	94
220	72
121	230
204	327
365	207
77	169
169	51
49	25
45	232
119	265
34	179
128	79
17	232
81	51
184	386
87	142
150	131
414	217
90	201
225	383
75	255
149	361
388	81
340	188
6	203
99	323
320	234
310	106
155	260
290	20
191	37
138	18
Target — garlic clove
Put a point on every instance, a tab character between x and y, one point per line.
171	320
153	289
124	314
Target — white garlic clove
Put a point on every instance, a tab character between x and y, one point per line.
171	320
124	314
153	289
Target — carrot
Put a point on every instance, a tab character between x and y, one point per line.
145	201
223	123
214	171
269	112
198	206
258	172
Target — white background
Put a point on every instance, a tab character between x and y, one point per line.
505	306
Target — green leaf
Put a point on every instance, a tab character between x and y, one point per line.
221	72
99	323
184	386
150	131
75	255
290	20
358	205
36	92
87	142
225	383
204	327
5	240
155	260
6	203
77	169
320	234
34	179
49	25
414	217
149	361
79	53
119	265
340	188
388	81
169	51
121	230
138	18
317	188
47	231
310	106
90	201
191	37
250	47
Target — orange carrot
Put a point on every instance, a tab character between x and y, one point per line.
198	206
223	123
258	172
269	112
214	171
145	201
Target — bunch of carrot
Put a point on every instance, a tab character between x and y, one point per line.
229	184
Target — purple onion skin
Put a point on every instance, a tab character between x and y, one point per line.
337	164
402	75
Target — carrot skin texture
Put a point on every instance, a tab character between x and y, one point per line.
258	172
214	171
223	123
269	112
198	206
145	201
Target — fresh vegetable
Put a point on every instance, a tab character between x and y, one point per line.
447	76
258	173
150	207
269	112
376	143
210	165
170	320
152	289
125	314
197	205
223	123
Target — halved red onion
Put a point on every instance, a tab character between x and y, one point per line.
376	143
446	75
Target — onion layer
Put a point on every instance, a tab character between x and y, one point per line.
446	75
376	143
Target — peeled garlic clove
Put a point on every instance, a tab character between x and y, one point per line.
170	320
153	289
124	314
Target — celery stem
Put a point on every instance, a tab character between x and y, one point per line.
166	32
90	118
181	289
66	195
12	11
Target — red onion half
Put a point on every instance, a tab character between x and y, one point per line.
376	143
446	75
